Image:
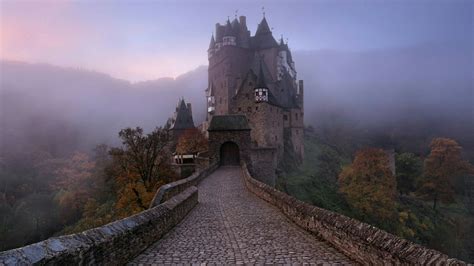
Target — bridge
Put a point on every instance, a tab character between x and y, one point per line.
222	215
230	225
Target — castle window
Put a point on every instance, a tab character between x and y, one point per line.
240	109
249	109
256	108
296	116
285	117
247	95
297	132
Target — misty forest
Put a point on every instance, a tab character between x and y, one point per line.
68	138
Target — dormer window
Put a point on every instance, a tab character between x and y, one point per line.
261	95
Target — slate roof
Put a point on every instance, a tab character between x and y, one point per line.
263	37
228	31
183	117
228	123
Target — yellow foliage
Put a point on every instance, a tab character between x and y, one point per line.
368	184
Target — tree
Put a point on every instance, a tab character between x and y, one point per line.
443	164
191	141
369	186
142	154
409	169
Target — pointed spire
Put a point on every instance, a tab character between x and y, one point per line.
228	29
263	28
213	43
281	41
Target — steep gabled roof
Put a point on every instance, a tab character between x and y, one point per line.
183	117
229	123
263	28
261	77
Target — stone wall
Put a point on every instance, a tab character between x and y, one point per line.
114	243
359	241
239	137
170	190
264	163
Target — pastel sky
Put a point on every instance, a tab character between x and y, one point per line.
144	39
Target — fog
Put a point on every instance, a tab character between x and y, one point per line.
399	87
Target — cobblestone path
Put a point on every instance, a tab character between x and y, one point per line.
230	225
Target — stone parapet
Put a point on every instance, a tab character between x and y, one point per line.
112	244
357	240
168	191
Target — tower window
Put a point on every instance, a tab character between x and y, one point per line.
256	108
240	109
296	116
285	117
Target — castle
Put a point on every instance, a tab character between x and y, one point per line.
255	76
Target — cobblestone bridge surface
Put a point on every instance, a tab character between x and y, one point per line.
230	225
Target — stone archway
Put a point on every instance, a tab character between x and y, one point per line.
229	154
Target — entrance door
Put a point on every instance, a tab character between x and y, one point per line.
230	154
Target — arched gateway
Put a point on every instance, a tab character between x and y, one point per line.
229	154
229	139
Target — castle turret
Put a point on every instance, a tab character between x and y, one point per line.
229	35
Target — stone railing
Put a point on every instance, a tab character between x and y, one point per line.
362	242
120	241
167	191
114	243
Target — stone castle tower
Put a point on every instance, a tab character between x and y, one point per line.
255	76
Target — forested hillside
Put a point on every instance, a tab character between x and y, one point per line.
429	200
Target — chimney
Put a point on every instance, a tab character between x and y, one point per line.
243	21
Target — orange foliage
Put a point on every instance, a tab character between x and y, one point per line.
191	141
368	184
442	165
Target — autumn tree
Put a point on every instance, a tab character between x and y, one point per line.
369	186
443	164
409	169
139	167
191	141
141	153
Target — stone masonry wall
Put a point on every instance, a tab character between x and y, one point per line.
111	244
170	190
359	241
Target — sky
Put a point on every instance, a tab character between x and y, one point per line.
144	39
